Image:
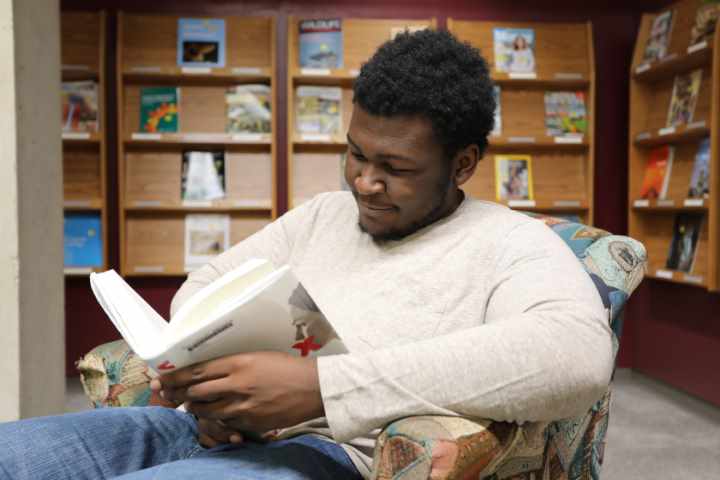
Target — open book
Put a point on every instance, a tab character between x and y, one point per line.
252	308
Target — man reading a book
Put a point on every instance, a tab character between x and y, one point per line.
448	306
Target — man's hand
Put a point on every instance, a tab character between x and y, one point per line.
212	433
250	392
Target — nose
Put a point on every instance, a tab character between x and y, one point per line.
369	181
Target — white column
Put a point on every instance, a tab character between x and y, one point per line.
32	330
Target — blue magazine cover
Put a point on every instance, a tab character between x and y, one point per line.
321	43
514	50
83	240
201	42
700	178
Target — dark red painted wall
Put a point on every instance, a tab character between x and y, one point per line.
665	335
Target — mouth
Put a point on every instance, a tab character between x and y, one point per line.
375	207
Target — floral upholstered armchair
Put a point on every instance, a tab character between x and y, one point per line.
450	448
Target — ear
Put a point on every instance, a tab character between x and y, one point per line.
465	162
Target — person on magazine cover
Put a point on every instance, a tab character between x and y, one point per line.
448	306
522	57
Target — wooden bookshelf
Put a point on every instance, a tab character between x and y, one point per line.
83	52
651	85
314	161
562	169
152	214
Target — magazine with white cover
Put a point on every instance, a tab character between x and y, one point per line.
206	237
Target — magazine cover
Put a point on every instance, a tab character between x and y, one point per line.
700	178
159	109
514	50
318	110
248	109
659	38
497	118
684	97
80	106
513	177
321	43
83	239
565	114
706	17
201	42
206	236
657	173
684	242
203	176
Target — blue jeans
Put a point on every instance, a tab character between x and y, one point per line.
154	443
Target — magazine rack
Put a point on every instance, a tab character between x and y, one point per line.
83	46
314	161
651	86
562	169
152	214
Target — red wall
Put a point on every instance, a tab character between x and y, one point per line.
659	338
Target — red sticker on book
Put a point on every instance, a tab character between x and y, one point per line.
166	365
306	346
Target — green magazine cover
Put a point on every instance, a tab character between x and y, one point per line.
159	109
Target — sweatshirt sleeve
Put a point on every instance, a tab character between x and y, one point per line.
543	351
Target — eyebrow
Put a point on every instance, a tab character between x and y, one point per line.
381	156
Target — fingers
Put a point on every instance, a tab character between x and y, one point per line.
223	409
200	372
212	433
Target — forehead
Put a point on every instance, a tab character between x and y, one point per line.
398	132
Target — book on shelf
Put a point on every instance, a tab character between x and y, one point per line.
206	237
318	110
248	109
514	50
497	115
254	307
657	43
410	29
513	177
201	42
83	239
203	176
80	106
706	18
686	88
159	109
700	177
565	114
686	232
657	173
321	43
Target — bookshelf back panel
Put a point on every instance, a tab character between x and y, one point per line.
559	47
248	179
660	97
80	40
523	112
683	20
151	41
314	173
81	174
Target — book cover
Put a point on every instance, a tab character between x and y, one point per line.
657	173
706	17
201	42
684	98
80	106
83	239
248	109
513	177
159	109
321	43
565	114
206	237
203	176
700	178
514	50
318	110
497	116
686	232
659	38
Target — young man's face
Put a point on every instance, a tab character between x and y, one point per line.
398	174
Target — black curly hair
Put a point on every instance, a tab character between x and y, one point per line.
431	73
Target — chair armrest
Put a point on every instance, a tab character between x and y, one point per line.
442	448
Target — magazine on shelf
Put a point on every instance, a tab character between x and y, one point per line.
83	239
206	237
700	178
565	114
203	176
201	42
706	18
657	173
248	109
684	98
321	43
318	110
254	307
497	116
395	31
686	232
514	50
659	38
159	109
513	177
80	106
